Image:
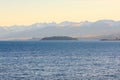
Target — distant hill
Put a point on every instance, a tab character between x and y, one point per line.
59	38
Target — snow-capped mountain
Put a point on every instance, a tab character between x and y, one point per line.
66	28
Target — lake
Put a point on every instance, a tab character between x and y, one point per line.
59	60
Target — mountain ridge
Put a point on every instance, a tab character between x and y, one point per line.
66	28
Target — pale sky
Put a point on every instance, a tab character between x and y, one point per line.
25	12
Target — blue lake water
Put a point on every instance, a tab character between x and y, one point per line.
59	60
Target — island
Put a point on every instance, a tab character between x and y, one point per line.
59	38
113	39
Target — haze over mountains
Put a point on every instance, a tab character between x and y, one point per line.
84	29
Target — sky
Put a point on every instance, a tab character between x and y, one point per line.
26	12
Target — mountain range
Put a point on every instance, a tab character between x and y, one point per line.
84	29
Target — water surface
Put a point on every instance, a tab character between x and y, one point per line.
59	60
